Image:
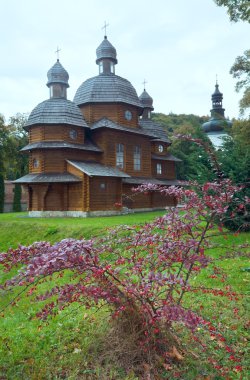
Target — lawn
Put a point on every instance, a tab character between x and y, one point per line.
68	347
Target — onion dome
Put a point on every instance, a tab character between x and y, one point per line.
106	87
217	122
56	111
216	125
57	74
106	51
146	100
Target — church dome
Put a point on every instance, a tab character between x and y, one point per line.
146	100
57	74
216	125
56	111
106	51
108	88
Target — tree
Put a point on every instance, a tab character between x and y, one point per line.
17	198
237	9
12	138
195	163
241	71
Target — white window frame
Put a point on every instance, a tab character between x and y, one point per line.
137	158
120	155
159	168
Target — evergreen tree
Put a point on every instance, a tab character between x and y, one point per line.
17	198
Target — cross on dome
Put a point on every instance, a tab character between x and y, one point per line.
144	83
105	28
57	52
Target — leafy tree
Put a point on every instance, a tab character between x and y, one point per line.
241	71
195	163
12	139
237	9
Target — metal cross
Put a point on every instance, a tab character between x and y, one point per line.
57	52
144	82
105	27
216	79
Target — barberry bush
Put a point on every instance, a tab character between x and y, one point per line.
143	276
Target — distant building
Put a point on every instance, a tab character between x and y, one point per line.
86	156
215	127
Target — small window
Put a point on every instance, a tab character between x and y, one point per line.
73	134
103	186
158	168
101	67
149	114
120	155
112	67
160	148
35	163
137	157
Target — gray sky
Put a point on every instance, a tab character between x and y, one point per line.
178	46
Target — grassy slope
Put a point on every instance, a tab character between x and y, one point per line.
31	349
18	228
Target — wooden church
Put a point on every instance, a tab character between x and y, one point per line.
86	156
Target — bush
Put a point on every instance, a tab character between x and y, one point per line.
141	275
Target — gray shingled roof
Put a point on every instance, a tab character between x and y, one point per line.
56	111
48	177
154	129
169	157
106	123
57	74
107	88
106	50
60	144
94	169
146	100
155	181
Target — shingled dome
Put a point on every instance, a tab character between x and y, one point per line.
106	50
57	74
107	88
56	111
146	100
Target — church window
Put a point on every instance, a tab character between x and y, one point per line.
112	67
73	134
101	67
103	186
120	155
149	114
160	148
158	168
35	163
137	157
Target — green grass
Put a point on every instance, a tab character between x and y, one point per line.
18	228
68	347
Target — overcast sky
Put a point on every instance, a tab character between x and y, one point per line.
178	46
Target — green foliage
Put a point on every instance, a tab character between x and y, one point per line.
195	163
241	71
237	9
12	139
237	216
235	153
17	198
